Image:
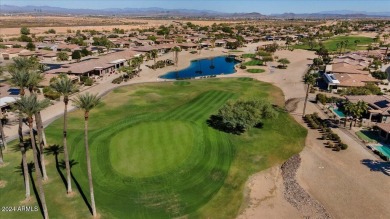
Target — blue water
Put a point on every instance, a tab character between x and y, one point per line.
205	67
339	113
385	149
14	91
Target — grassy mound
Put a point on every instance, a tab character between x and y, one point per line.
248	55
253	62
255	70
154	156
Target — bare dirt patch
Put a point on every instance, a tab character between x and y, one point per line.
3	184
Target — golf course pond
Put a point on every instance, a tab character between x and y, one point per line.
205	67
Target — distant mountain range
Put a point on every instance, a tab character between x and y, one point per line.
161	12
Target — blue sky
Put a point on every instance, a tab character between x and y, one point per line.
261	6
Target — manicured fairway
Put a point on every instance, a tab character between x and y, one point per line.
154	156
331	44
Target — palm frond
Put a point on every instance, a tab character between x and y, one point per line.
29	105
64	85
86	101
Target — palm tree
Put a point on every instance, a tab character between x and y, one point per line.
20	63
65	87
1	122
288	41
20	79
29	105
176	51
212	44
87	102
35	77
356	42
136	62
349	109
2	134
309	80
2	131
360	108
1	155
154	55
346	42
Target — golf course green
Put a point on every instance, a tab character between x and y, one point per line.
354	43
154	155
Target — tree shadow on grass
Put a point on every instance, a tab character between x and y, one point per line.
31	169
56	150
26	145
72	163
216	122
378	166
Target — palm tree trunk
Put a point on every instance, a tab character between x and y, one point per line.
20	130
2	131
307	97
1	156
89	170
25	171
43	130
38	122
66	155
2	135
38	170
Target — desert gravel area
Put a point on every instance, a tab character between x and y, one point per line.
339	181
10	26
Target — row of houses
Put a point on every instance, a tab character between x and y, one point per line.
350	70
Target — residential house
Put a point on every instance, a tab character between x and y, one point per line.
98	66
10	53
378	107
343	75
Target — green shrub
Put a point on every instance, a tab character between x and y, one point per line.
88	82
242	66
117	80
255	70
379	75
51	94
322	98
343	146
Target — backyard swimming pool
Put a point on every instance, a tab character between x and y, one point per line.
384	149
338	112
205	67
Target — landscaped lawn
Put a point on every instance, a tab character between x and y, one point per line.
248	55
253	62
255	70
368	136
154	156
331	44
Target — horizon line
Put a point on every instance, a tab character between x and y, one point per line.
285	12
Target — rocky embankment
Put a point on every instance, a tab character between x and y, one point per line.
296	195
